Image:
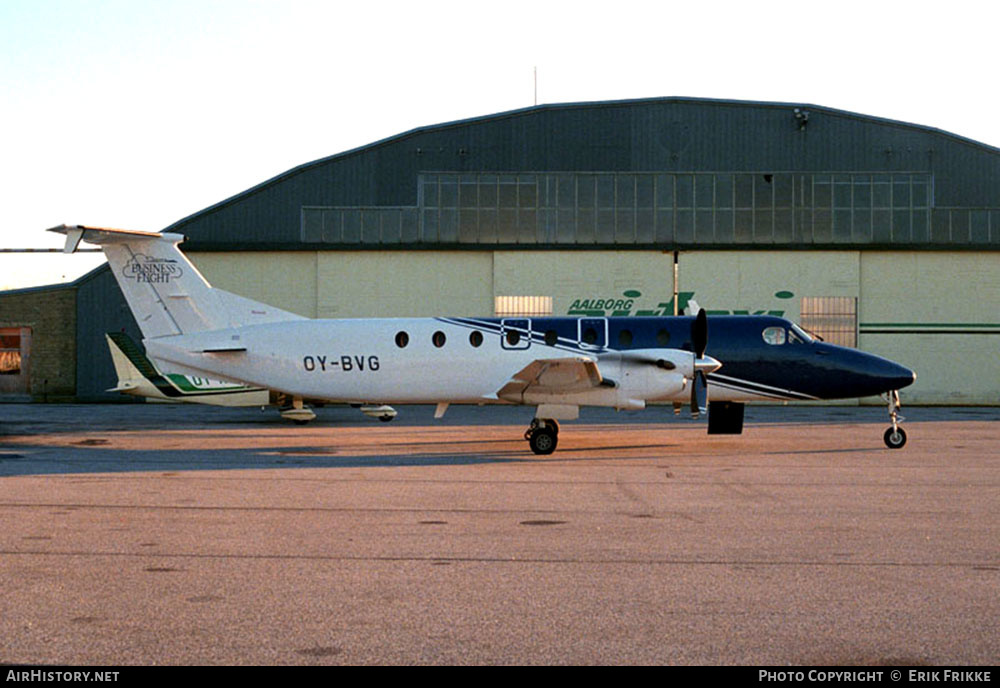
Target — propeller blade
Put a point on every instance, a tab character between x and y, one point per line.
699	384
699	334
699	394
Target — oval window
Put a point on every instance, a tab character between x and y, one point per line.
402	339
513	337
551	337
476	338
774	335
625	338
438	339
662	338
589	335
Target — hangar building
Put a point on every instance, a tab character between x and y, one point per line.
873	233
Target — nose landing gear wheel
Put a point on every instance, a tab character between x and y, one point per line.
894	438
894	435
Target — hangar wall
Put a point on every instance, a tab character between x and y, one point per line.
919	308
938	313
773	207
46	320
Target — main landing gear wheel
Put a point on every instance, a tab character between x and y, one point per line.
542	436
894	438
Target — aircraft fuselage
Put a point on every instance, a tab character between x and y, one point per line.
467	360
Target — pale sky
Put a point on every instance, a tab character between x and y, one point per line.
137	113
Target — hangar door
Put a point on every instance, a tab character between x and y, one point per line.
15	354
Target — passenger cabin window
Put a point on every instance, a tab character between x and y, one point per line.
774	335
625	338
662	338
402	339
476	338
551	337
515	333
592	332
438	339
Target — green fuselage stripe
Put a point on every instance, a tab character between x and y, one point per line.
930	328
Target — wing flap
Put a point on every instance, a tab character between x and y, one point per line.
553	376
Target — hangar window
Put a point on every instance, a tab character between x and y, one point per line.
438	339
514	306
833	319
476	338
402	339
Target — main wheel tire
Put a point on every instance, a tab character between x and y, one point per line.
894	439
543	440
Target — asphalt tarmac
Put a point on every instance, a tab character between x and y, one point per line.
152	534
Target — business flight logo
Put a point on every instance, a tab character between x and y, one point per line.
151	270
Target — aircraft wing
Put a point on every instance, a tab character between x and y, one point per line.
553	376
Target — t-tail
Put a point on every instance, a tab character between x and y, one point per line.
167	294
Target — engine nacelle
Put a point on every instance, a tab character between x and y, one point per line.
653	374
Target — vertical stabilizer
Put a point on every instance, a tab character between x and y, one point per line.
167	294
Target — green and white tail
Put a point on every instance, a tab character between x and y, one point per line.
167	294
139	376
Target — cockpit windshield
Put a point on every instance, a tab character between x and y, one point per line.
797	335
777	336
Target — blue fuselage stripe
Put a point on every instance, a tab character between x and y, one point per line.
793	370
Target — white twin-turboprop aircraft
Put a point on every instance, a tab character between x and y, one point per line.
557	364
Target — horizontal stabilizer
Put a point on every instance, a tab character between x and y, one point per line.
106	235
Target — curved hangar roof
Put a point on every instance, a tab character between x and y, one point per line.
657	173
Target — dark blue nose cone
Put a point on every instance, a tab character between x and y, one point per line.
852	373
895	376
